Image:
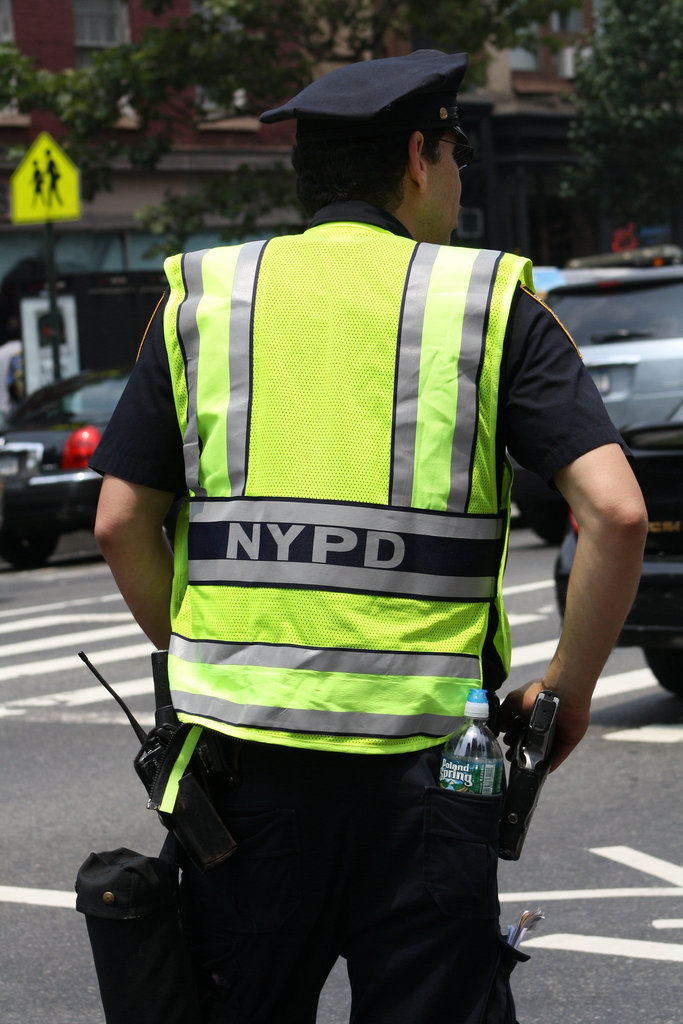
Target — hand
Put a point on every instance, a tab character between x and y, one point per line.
572	719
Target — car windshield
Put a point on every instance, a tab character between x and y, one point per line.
620	312
89	400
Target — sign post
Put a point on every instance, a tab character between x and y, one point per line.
45	187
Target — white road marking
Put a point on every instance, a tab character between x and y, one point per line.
9	613
75	640
527	588
74	603
60	716
644	862
47	621
608	946
667	733
55	572
37	897
523	618
59	898
668	922
531	654
625	682
9	673
77	698
553	895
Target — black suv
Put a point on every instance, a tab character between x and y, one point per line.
655	621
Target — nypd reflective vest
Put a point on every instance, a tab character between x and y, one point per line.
338	566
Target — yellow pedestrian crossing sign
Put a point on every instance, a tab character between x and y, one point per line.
45	185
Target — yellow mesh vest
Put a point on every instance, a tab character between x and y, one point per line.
346	536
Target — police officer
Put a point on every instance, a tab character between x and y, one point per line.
335	408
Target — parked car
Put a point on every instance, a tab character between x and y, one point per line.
44	453
655	621
628	325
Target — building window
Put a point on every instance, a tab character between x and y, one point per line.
522	59
570	23
98	24
6	24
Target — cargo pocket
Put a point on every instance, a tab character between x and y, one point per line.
259	886
461	852
500	1008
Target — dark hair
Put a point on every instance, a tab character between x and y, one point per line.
333	169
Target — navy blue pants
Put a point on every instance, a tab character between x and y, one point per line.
352	855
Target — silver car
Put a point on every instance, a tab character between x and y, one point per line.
628	325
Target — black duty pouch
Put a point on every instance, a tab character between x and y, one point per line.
193	820
143	966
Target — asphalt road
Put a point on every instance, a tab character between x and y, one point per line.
603	858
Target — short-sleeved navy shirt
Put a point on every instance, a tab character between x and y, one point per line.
550	410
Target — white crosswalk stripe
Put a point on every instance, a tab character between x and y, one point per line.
47	666
607	945
74	640
78	698
668	732
49	621
78	602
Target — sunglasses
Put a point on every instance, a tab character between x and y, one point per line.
463	151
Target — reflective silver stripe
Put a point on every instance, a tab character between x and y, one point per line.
342	577
320	513
408	373
364	662
241	305
475	323
188	332
326	723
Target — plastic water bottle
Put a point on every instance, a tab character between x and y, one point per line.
472	761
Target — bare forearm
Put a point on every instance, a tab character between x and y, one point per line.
130	536
145	585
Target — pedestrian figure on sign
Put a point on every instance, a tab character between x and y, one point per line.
54	176
38	179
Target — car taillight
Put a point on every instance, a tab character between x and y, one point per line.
574	524
79	447
608	286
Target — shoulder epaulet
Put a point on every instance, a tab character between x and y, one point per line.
555	318
156	309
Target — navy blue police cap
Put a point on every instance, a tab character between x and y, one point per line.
415	92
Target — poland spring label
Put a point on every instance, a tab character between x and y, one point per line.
480	777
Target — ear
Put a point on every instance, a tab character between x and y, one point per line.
416	168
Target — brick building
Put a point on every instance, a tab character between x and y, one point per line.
518	119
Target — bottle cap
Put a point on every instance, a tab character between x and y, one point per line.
477	705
